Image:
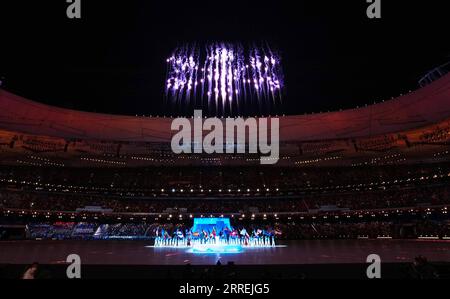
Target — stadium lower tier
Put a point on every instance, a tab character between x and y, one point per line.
434	227
385	202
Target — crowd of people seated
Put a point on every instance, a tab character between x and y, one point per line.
97	231
439	134
346	201
433	228
280	230
298	231
225	181
371	188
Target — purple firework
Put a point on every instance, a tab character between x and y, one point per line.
224	76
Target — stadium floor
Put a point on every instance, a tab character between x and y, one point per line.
294	253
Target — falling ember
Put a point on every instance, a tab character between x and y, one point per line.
224	79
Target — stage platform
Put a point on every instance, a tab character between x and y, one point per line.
287	253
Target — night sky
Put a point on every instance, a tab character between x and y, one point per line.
113	60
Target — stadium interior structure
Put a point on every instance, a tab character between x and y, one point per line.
380	171
378	160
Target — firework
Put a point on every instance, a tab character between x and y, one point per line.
226	78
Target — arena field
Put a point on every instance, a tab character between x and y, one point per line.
289	252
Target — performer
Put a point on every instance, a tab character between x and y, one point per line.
182	236
213	235
227	234
244	236
205	237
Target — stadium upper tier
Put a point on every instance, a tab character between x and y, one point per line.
421	108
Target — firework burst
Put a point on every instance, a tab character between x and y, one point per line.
224	79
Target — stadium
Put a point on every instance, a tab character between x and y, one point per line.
381	173
108	187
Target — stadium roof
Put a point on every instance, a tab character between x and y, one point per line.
426	106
